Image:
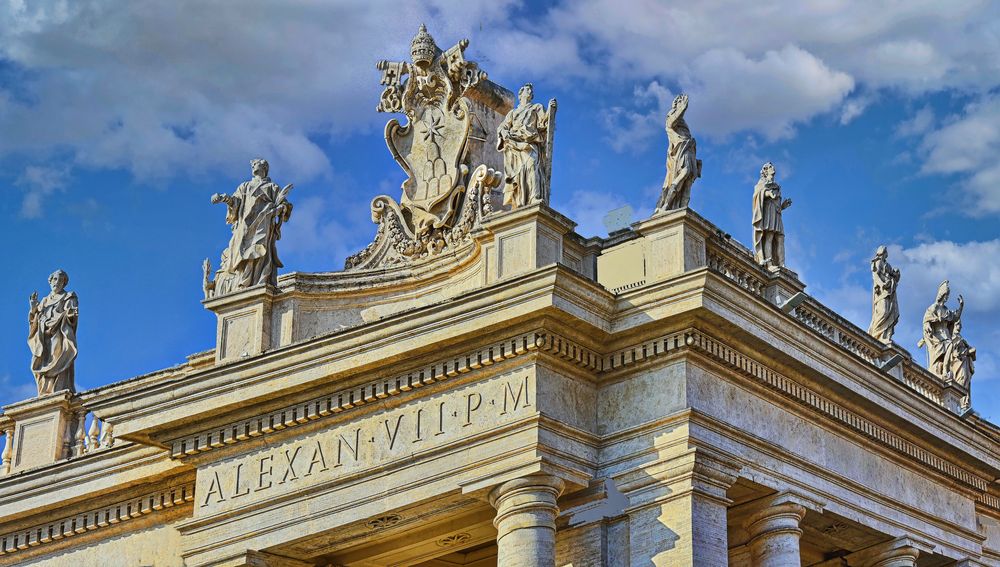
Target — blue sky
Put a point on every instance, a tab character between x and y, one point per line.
118	121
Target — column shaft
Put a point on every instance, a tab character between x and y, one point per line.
526	521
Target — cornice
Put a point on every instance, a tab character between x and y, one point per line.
39	538
152	405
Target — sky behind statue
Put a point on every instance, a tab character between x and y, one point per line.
119	120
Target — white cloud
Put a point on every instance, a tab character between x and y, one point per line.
39	183
918	124
968	145
588	209
923	267
731	92
12	390
148	88
161	89
631	128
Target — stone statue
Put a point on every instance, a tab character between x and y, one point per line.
52	336
683	166
452	112
256	211
885	308
768	229
960	358
525	138
939	329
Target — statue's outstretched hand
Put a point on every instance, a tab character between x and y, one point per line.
33	300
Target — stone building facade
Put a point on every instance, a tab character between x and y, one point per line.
498	390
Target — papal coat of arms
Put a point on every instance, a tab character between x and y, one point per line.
446	148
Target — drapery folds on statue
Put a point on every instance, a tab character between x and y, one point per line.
256	211
768	228
885	307
525	138
948	353
52	336
683	165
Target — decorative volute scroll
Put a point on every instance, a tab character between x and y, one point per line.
452	113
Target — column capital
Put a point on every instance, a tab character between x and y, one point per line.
900	552
526	520
773	529
532	499
264	559
780	512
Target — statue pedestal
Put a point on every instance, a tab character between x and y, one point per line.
674	243
523	240
243	322
955	398
782	285
661	247
42	430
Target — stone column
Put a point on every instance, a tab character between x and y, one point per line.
774	530
900	552
526	521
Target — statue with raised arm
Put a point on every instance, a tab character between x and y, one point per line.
768	228
52	336
525	139
683	165
256	211
939	329
885	308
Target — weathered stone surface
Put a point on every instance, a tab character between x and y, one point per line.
501	391
768	228
885	307
52	336
683	166
525	138
256	211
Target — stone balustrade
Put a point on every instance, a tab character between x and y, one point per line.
75	440
736	263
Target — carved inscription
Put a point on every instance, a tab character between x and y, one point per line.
368	443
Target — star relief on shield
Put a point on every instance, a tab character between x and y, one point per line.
432	131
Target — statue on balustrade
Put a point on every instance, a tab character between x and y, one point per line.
939	329
885	308
525	138
683	165
960	358
768	228
256	211
52	336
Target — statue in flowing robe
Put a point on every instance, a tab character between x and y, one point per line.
52	336
939	329
885	308
960	358
525	139
256	211
768	228
683	165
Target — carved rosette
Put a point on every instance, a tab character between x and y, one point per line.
437	208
